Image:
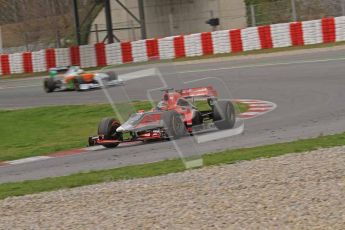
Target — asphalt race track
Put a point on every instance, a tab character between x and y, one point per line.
307	88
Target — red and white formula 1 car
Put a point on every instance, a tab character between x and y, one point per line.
173	117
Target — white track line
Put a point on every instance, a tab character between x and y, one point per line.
29	159
265	65
93	148
19	86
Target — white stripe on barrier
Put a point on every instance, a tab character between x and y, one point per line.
340	28
39	61
139	51
281	35
16	63
166	48
113	54
312	32
221	42
250	39
87	56
192	45
62	57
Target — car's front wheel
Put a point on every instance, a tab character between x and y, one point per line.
173	124
107	128
49	85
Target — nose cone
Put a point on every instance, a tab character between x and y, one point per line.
120	129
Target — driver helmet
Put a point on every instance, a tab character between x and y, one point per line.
53	73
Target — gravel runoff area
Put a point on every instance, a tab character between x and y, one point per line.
295	191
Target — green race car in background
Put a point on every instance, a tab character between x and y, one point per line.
76	79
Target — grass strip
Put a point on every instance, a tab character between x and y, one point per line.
168	166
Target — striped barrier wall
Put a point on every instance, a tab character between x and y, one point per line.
325	30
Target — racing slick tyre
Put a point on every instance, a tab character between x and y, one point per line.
49	85
112	75
107	127
197	119
76	83
174	125
224	115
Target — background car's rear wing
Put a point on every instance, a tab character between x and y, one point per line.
208	91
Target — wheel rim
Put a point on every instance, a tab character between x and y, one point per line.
113	128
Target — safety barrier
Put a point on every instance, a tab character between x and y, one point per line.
325	30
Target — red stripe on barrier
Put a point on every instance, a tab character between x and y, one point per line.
5	64
126	48
100	54
50	58
74	55
296	33
179	47
206	42
265	37
236	41
27	62
152	49
328	30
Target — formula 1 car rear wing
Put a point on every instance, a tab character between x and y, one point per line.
208	91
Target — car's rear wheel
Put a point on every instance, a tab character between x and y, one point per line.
224	115
107	127
174	125
49	85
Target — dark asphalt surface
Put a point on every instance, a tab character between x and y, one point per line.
307	88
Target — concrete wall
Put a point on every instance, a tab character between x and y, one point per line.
121	19
173	17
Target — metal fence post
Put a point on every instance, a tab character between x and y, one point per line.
1	41
252	14
131	24
97	35
58	38
293	9
76	21
141	6
109	22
